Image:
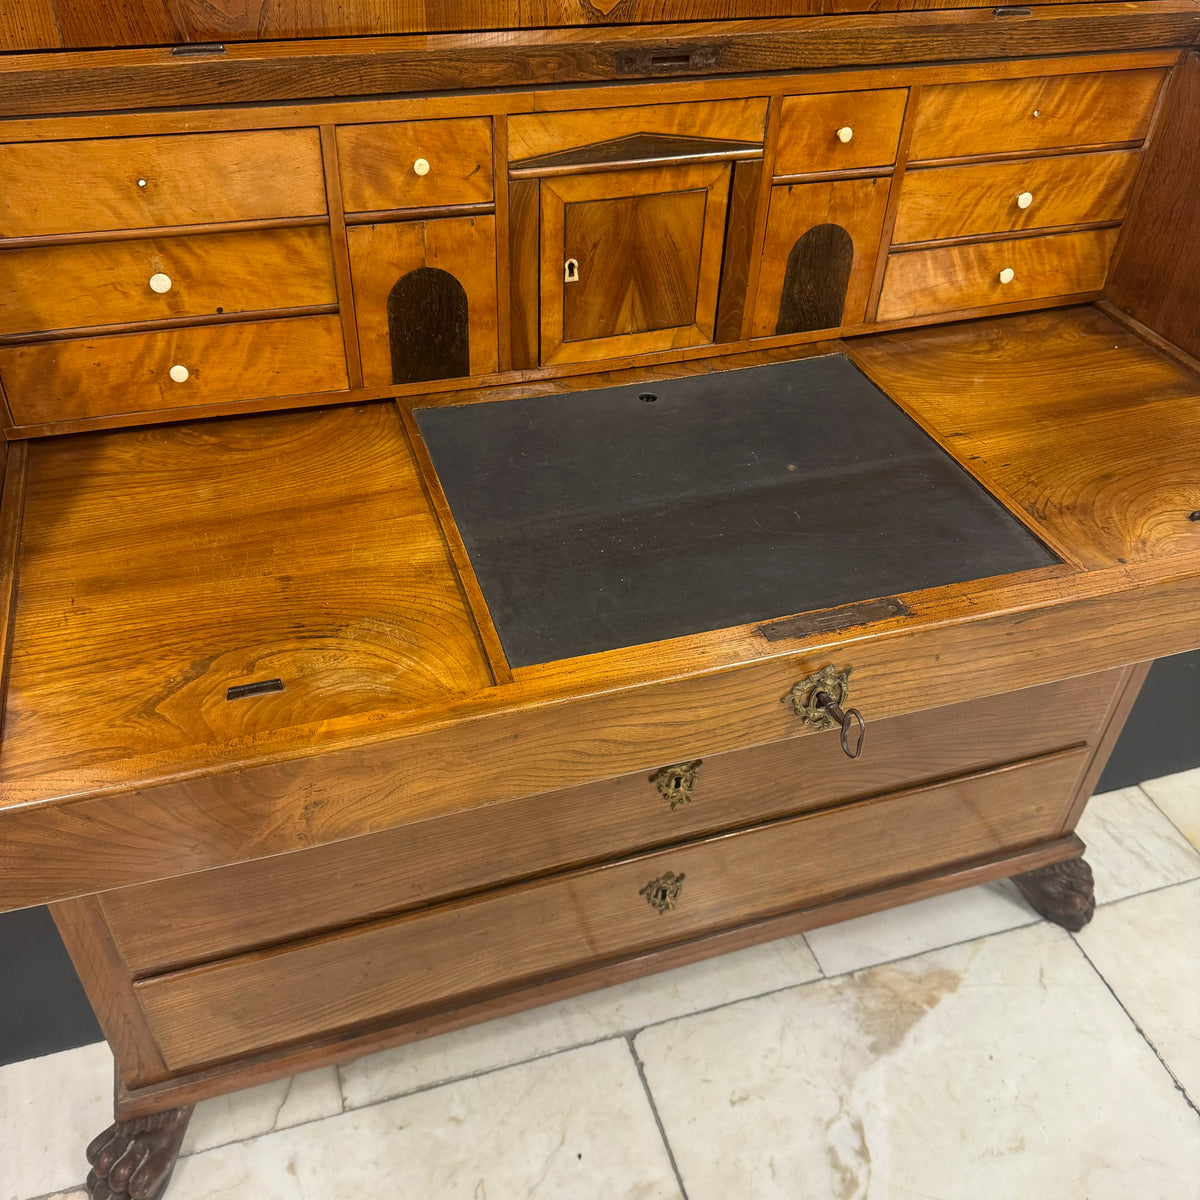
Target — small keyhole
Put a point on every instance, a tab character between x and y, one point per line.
571	271
677	782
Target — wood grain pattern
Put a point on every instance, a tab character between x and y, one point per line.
533	135
857	206
407	963
1107	467
298	547
1010	116
215	1081
380	255
53	381
257	904
648	244
377	164
947	202
188	180
524	204
740	228
106	978
29	25
82	285
341	254
1158	263
808	131
969	275
73	82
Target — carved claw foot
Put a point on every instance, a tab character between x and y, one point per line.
1062	892
133	1160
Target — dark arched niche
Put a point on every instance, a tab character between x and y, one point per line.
816	280
427	327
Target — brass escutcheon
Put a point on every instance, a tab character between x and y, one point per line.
803	697
662	893
676	783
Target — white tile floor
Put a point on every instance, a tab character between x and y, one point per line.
956	1049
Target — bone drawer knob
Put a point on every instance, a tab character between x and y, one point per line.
1007	275
1025	199
160	283
421	166
141	183
179	373
845	134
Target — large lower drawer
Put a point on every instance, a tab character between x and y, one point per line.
978	274
176	368
516	936
172	923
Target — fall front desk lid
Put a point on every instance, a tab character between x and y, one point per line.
616	517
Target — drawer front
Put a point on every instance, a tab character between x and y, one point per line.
153	279
90	377
839	131
948	202
140	183
569	922
412	164
1009	116
954	278
159	926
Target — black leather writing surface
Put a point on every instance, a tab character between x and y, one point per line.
598	519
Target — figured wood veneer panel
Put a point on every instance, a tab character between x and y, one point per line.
951	278
947	202
256	904
1009	116
856	205
189	179
377	161
809	126
80	284
162	566
131	372
464	247
570	922
29	25
1069	415
531	135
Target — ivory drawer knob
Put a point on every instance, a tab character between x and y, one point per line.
1025	199
160	283
179	373
1007	275
141	183
845	134
421	166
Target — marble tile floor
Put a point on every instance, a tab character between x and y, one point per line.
957	1049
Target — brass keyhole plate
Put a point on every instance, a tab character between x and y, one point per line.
677	782
803	697
662	894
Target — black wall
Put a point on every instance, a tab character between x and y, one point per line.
43	1008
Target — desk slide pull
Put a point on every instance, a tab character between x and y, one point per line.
818	699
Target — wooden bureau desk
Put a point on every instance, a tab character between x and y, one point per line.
457	483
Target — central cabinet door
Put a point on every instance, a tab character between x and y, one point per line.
631	260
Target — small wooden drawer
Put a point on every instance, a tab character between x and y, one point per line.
978	274
521	934
415	164
164	925
176	368
145	182
150	279
948	202
839	131
1010	116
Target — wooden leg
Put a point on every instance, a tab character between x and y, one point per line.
133	1160
1062	892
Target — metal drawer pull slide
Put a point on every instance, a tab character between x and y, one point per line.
817	700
